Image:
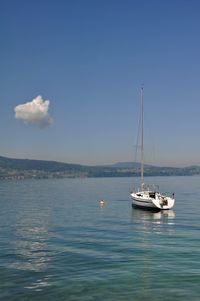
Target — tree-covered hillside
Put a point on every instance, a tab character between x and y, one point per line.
25	168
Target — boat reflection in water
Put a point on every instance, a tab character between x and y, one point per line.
154	221
152	248
162	216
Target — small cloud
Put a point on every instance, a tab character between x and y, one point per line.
34	112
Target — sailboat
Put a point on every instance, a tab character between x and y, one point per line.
148	197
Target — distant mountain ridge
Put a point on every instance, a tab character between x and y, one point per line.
127	165
35	164
11	168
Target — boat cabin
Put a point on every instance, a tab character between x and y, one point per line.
152	195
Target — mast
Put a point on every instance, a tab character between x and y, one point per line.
142	139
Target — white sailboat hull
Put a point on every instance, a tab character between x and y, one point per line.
152	200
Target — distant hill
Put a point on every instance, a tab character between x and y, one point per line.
24	168
126	165
26	164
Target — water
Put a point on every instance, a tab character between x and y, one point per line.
57	243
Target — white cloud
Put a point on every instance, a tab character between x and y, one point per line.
34	112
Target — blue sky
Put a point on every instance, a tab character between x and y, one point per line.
89	59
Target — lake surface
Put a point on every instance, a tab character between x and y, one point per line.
57	243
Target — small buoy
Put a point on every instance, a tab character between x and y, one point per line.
101	202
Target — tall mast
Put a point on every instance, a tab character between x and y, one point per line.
142	139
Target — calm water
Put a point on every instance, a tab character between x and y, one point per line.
56	243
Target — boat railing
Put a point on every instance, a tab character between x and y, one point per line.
151	187
155	188
168	194
146	187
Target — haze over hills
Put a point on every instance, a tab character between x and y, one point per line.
24	168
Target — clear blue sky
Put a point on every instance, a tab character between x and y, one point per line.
89	59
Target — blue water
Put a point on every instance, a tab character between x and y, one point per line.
57	243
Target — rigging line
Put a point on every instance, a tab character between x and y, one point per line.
142	138
137	145
139	137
